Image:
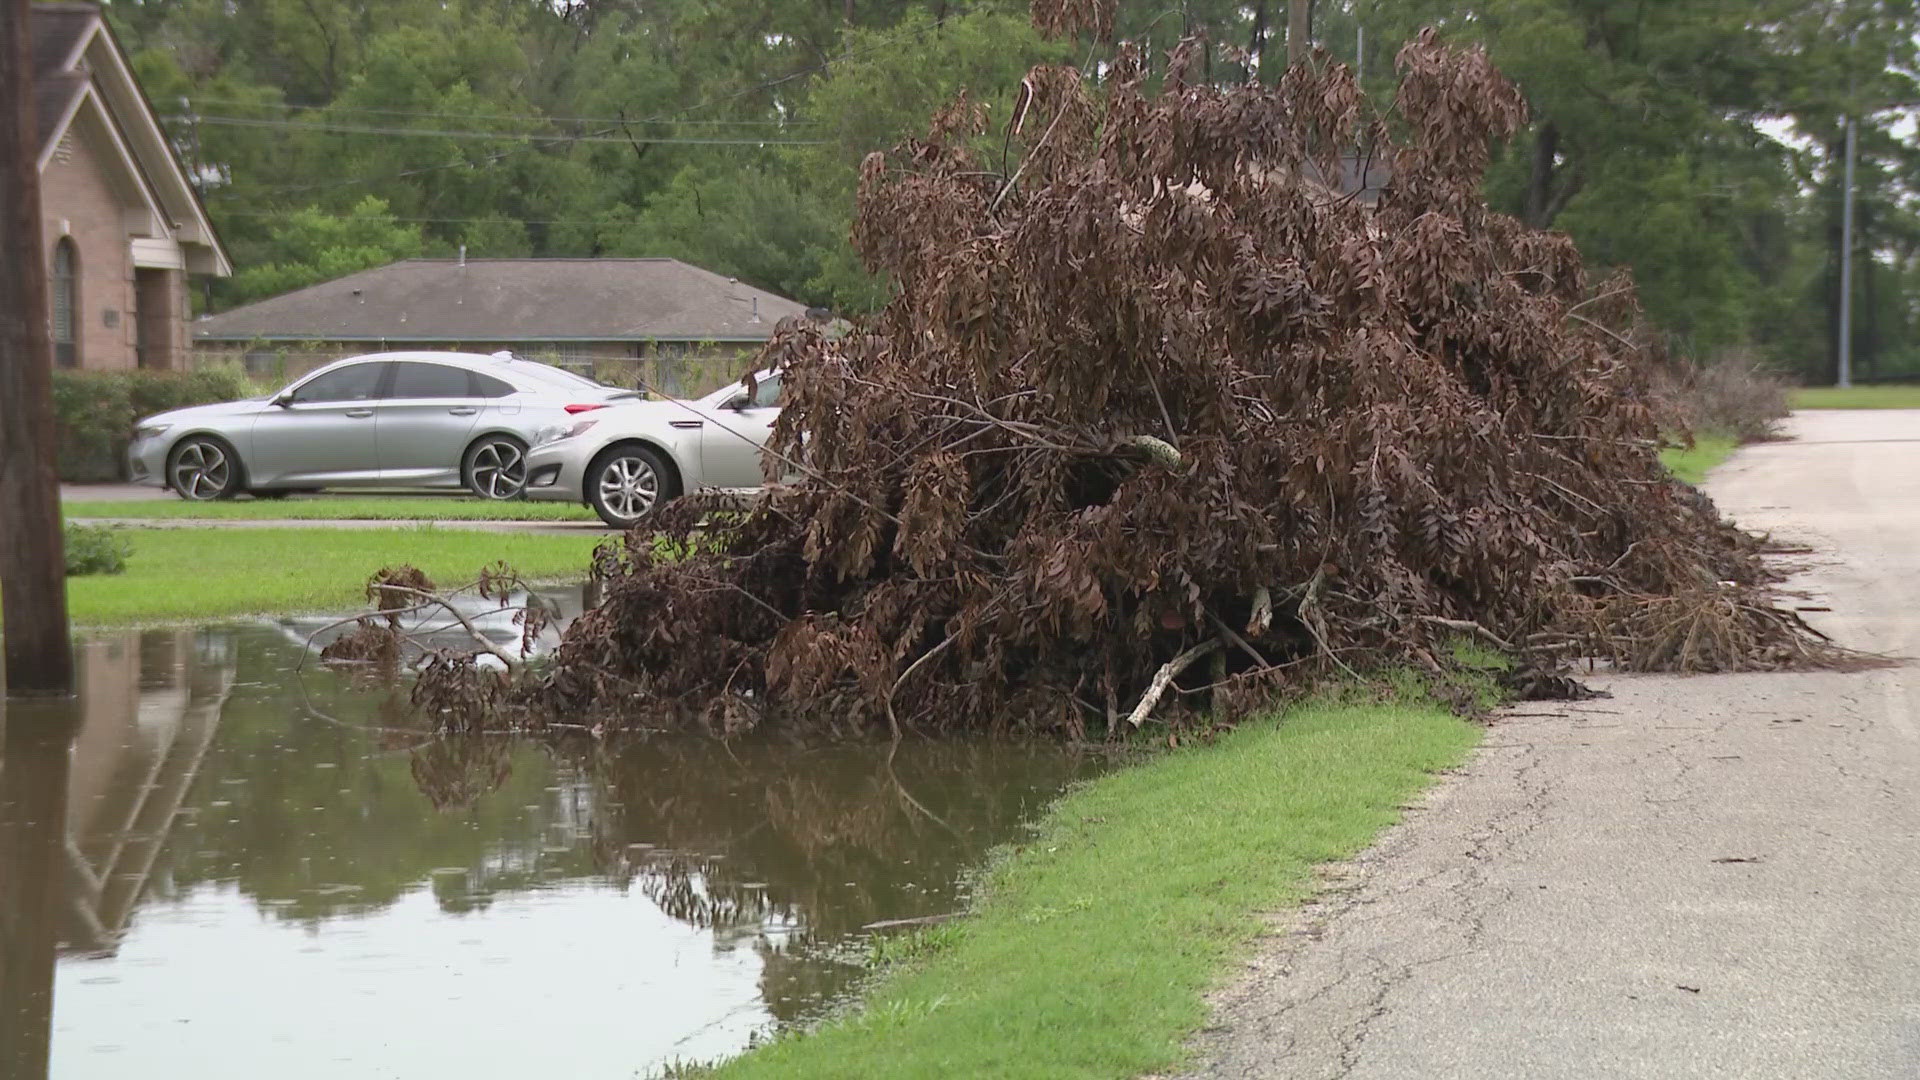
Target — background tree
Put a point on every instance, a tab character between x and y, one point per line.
1696	141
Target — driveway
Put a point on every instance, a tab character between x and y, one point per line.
1716	876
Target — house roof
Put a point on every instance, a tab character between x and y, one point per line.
79	68
57	33
512	300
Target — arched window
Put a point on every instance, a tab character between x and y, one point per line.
66	303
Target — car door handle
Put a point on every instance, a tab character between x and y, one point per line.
462	411
359	414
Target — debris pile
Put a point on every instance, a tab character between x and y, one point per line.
1166	416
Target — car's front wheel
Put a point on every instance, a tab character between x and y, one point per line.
202	469
496	468
626	483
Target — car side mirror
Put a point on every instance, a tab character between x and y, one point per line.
283	400
738	403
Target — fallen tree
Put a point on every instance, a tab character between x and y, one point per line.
1168	417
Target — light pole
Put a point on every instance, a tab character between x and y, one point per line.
1845	375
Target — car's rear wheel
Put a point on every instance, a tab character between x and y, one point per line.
202	469
496	468
625	484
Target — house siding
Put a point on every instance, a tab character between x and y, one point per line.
161	296
78	201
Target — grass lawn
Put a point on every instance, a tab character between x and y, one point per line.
190	575
1693	465
1094	941
330	508
1857	397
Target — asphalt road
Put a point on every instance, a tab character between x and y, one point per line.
1715	876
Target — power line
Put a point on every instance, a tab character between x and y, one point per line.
438	133
495	158
527	118
505	219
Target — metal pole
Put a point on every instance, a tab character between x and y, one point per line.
1846	262
1360	54
33	569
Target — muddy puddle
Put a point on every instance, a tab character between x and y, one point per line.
259	876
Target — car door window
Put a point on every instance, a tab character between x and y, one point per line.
489	387
766	393
415	380
356	382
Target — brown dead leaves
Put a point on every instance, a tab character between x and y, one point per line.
1169	374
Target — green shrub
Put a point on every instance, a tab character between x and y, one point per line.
96	549
94	412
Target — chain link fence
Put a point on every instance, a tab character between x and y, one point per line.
669	370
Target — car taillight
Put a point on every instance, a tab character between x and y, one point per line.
576	410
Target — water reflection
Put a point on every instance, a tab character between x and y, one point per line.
292	881
33	795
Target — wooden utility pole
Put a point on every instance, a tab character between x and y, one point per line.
1299	29
33	568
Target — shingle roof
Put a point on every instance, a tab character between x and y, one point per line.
55	32
508	300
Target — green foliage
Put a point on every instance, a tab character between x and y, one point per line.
315	246
338	134
783	224
754	224
891	950
94	412
96	549
1655	145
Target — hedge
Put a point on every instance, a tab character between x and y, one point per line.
94	412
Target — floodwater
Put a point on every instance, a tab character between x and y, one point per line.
252	874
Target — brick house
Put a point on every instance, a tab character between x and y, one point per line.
123	227
658	322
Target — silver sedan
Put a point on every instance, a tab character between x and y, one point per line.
625	461
400	419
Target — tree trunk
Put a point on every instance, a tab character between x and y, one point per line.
1257	43
33	571
1549	185
1299	29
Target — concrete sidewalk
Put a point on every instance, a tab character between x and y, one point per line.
112	493
131	493
1715	876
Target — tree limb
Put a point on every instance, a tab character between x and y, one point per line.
1165	676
